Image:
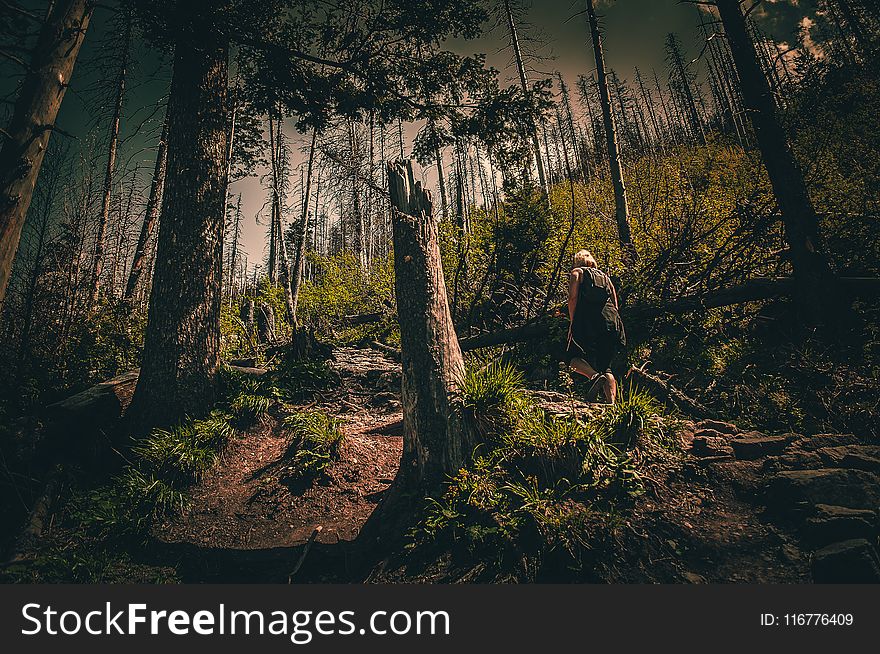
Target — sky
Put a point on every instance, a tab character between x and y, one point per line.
554	32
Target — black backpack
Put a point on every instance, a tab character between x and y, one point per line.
594	288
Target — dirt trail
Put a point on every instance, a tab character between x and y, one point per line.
713	521
241	503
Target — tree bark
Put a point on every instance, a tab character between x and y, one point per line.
182	342
436	441
33	120
112	147
621	212
151	215
524	82
300	254
812	273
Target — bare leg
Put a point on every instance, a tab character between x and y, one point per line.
610	388
609	385
584	368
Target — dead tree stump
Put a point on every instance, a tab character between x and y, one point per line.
436	442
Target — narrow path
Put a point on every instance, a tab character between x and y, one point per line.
241	503
715	520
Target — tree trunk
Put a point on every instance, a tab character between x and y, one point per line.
441	178
273	232
151	215
621	207
436	442
677	60
300	254
104	218
277	163
524	82
182	342
33	120
233	254
811	270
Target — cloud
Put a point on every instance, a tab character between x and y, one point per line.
806	35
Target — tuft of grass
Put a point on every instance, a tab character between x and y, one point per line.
315	443
636	415
184	452
127	507
251	402
491	397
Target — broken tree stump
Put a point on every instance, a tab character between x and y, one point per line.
436	442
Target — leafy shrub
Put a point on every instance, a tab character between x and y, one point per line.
540	485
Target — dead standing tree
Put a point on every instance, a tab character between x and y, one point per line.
621	206
812	273
151	216
33	119
110	171
436	442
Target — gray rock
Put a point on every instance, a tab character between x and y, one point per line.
755	446
793	459
381	399
714	446
862	457
711	433
717	425
810	443
854	489
834	523
849	562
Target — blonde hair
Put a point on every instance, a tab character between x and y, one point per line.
584	259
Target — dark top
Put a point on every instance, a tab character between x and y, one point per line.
596	320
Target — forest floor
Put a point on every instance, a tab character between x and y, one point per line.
706	521
725	506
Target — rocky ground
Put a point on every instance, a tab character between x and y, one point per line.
744	506
821	492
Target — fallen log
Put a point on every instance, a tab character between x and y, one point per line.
363	318
248	370
761	288
36	523
98	406
666	392
538	329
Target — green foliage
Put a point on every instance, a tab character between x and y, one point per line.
540	485
635	414
298	380
251	402
339	287
153	487
250	398
490	395
236	341
184	452
127	507
315	441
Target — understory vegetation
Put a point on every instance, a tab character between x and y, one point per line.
543	487
105	522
